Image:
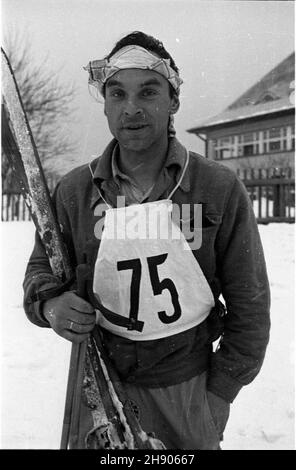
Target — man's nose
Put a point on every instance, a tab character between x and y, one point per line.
132	109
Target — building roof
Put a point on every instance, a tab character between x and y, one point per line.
271	94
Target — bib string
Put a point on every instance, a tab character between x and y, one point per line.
181	177
170	195
98	189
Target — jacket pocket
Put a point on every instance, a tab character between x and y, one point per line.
201	229
211	220
205	235
215	321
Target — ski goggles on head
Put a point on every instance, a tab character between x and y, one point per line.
131	57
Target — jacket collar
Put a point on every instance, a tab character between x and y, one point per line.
102	167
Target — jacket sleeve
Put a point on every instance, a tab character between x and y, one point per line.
39	275
245	289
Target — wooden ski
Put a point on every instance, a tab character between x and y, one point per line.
90	373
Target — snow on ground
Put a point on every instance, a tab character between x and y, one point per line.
34	360
34	364
262	416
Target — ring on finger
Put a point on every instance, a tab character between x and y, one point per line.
71	325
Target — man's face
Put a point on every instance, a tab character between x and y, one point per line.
137	106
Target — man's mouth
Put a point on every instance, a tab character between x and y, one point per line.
134	127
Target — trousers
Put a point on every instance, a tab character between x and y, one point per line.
178	415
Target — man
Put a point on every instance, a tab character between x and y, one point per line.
163	290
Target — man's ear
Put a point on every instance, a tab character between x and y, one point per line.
175	104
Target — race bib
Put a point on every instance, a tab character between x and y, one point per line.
147	275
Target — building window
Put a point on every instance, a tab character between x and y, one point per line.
275	146
248	144
248	150
275	133
276	139
224	148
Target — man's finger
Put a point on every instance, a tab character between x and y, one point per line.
81	305
79	327
81	318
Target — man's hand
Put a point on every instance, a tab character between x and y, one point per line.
70	316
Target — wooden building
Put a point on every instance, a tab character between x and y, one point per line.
257	129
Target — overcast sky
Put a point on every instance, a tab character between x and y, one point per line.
221	48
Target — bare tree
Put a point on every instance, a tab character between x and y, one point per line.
48	103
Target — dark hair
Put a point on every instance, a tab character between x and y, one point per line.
138	38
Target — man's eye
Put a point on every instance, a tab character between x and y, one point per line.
116	93
149	92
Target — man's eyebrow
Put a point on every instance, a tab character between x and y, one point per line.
151	81
112	82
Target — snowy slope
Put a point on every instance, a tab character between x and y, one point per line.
35	360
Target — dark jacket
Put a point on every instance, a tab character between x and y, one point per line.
230	256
